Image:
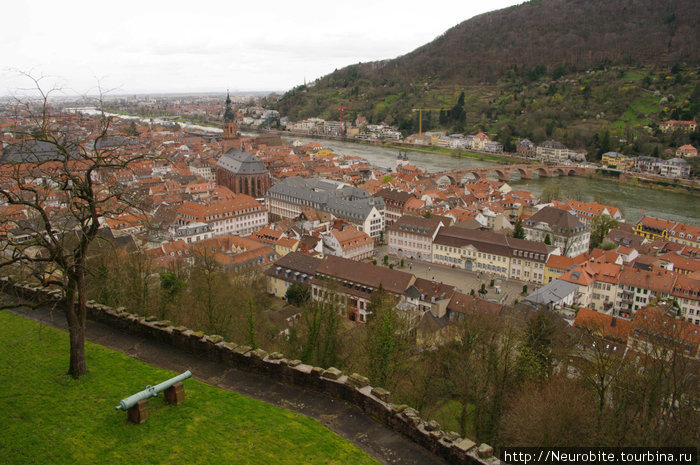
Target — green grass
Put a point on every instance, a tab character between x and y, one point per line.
448	415
638	112
446	151
49	418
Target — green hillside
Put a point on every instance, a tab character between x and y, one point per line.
582	72
50	418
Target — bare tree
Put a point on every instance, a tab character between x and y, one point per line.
60	179
482	366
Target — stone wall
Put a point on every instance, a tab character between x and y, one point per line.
354	388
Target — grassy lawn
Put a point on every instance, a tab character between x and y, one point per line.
49	418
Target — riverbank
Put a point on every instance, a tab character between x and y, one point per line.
666	185
456	153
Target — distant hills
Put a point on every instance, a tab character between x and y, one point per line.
511	62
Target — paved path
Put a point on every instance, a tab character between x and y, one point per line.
346	420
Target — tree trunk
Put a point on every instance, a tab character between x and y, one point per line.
75	315
77	352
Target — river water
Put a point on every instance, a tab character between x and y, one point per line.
634	202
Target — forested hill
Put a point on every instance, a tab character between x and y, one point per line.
502	55
576	33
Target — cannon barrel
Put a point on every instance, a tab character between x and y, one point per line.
151	391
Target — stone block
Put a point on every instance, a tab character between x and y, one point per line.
381	394
484	451
303	368
293	363
332	373
357	381
227	345
197	334
451	436
259	353
432	425
215	338
399	408
243	349
275	356
465	444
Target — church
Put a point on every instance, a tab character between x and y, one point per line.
240	171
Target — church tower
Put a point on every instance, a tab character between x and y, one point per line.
230	137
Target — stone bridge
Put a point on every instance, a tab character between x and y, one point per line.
504	172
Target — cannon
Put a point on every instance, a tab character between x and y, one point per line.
151	391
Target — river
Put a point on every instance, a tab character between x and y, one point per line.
634	202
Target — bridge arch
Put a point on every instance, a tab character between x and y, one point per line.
450	179
464	175
523	173
503	175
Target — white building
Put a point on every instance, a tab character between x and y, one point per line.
564	230
675	168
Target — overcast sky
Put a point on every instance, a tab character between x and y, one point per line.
202	46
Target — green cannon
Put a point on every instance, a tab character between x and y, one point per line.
151	391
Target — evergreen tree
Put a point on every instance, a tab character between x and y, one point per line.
386	342
600	227
519	231
535	360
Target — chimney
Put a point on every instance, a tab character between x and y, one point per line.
613	323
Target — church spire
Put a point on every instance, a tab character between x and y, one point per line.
229	115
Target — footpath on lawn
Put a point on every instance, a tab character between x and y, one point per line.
51	418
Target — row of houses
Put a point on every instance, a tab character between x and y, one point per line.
548	151
621	289
350	285
673	168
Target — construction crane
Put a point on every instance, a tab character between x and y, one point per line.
340	109
420	117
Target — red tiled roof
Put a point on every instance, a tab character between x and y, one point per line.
603	324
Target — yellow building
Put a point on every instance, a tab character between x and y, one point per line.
617	160
557	265
286	245
654	228
491	253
